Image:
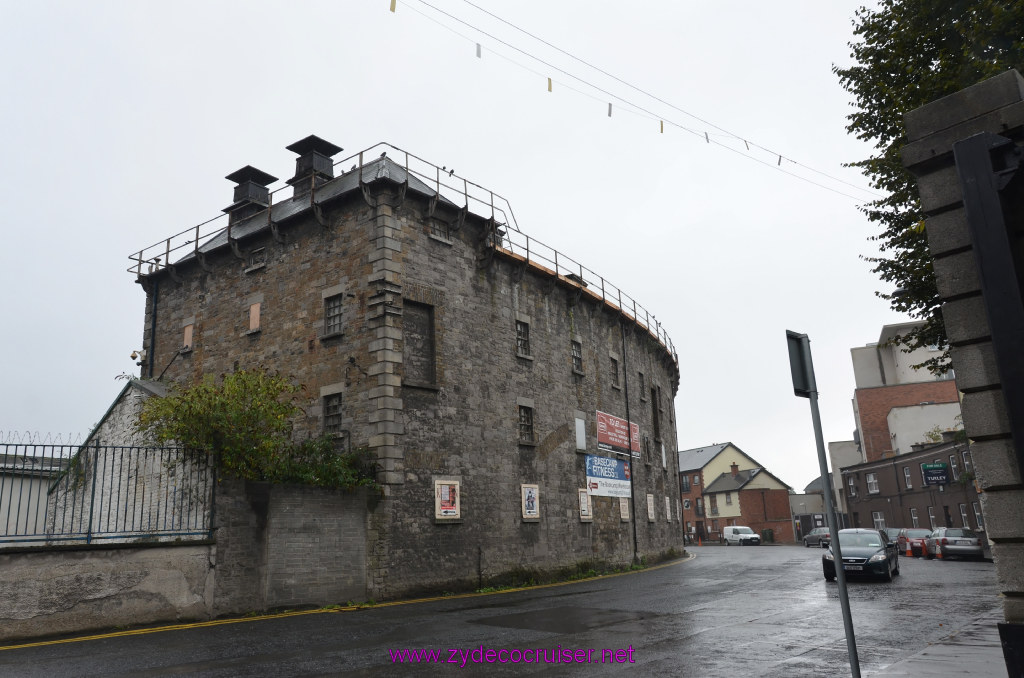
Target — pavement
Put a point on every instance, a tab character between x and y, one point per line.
973	651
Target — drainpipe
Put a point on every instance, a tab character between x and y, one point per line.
629	443
152	326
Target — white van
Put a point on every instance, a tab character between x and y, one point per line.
740	535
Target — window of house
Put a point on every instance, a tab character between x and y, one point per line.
851	486
963	515
439	229
878	520
872	480
419	360
332	413
714	504
728	498
525	424
699	506
655	414
967	461
522	338
931	517
186	342
254	317
696	479
332	314
942	488
256	260
923	478
906	478
977	515
954	468
577	356
913	517
684	483
615	372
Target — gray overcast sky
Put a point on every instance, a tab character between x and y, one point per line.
119	120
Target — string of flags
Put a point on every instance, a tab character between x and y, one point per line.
636	108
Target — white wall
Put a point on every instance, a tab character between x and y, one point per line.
908	425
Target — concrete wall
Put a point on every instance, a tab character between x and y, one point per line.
276	546
52	592
995	106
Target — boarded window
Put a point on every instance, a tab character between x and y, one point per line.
254	317
332	413
186	342
418	335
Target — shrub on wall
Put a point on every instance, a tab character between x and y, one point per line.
244	424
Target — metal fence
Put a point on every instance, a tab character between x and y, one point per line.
63	494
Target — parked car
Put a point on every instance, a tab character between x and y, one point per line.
819	536
949	542
912	537
865	553
892	533
741	535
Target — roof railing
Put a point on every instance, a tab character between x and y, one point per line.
466	194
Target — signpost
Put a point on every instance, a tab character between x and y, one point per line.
805	387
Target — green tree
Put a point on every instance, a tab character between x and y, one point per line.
244	424
910	53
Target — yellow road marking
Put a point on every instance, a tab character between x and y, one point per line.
347	608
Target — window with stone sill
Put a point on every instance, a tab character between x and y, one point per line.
333	309
523	339
526	433
577	357
615	372
872	481
332	414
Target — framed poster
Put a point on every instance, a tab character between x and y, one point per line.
530	497
668	510
447	499
624	508
585	511
650	507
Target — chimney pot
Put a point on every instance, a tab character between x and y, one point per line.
314	163
735	469
251	193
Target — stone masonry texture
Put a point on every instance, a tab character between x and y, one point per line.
994	106
439	398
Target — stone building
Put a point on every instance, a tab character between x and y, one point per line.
965	151
472	361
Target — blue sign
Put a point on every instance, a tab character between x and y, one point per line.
607	477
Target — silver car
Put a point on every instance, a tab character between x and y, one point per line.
950	542
819	536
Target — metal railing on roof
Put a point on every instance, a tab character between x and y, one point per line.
461	192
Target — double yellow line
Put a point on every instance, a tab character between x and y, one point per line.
299	613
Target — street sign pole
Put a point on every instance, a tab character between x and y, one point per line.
804	386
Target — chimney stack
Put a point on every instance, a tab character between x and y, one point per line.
313	165
251	193
735	469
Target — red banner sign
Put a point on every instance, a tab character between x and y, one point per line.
613	436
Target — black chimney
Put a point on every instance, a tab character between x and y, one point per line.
314	163
251	193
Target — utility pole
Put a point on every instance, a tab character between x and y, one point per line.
804	386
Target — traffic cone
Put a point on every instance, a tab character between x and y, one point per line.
938	552
910	551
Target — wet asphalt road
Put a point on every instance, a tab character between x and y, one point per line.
752	611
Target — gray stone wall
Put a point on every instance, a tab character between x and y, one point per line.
458	419
997	106
54	592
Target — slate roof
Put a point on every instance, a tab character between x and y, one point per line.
727	482
699	456
381	168
813	487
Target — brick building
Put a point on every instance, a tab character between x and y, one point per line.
893	492
896	404
424	326
721	485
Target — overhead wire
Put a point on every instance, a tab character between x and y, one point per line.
637	108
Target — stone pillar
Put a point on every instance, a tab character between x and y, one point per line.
995	106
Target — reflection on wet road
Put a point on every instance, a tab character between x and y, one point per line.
756	611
